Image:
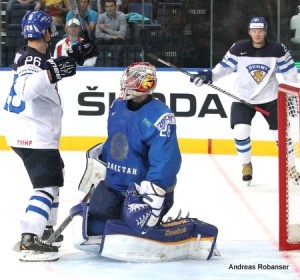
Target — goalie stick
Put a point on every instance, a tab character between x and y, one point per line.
76	7
143	34
75	210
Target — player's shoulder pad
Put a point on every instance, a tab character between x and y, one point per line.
157	114
29	56
275	49
166	119
240	46
118	103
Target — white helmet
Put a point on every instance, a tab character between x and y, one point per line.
138	79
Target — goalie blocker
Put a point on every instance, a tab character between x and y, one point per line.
174	240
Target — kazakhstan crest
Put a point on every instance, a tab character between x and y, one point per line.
119	146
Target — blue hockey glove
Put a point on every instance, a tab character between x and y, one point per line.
82	51
203	77
60	67
143	206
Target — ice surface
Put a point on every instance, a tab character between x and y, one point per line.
209	187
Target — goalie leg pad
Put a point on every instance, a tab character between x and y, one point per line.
79	226
204	246
174	240
81	240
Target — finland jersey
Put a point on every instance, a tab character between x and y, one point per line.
141	145
256	68
33	106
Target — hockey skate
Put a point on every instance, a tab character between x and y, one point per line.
48	232
247	173
293	176
33	249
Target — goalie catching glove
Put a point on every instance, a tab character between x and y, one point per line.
143	205
203	77
60	67
82	51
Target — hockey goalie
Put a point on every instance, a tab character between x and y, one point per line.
135	236
134	172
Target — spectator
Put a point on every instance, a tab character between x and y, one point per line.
111	26
93	5
295	27
55	8
89	19
101	6
73	29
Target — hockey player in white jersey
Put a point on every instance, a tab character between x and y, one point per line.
33	128
256	61
137	167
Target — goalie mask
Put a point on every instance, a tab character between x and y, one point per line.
138	79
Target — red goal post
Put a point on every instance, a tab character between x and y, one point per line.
289	167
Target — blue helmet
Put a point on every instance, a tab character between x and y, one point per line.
258	22
35	24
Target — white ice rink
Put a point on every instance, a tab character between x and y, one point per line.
209	187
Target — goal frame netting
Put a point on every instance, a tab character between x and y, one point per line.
289	228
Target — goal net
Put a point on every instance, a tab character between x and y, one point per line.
289	167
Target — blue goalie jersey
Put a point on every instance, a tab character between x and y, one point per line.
141	145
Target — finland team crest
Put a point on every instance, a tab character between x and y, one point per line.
258	72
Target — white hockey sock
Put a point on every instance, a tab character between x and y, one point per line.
243	142
38	210
243	148
54	211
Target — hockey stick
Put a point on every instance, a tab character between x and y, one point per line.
143	39
153	56
75	210
76	7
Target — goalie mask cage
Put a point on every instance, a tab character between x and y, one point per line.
289	166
